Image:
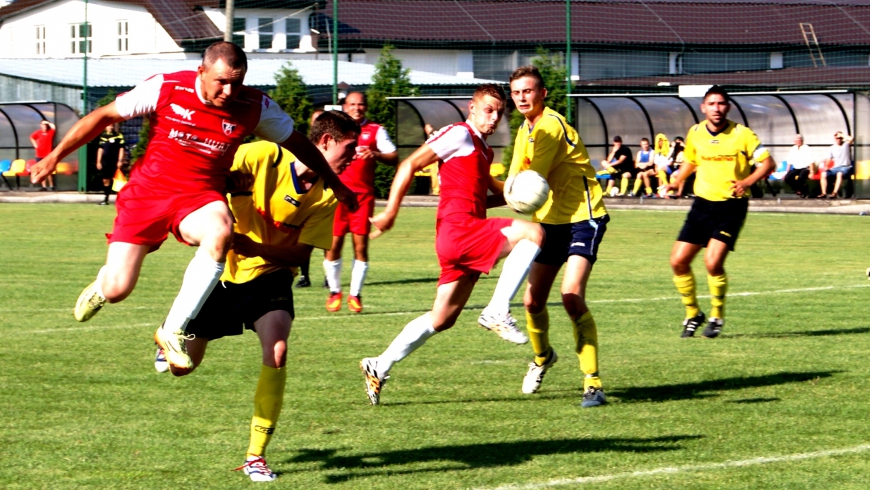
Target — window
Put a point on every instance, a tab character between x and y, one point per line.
80	38
40	39
265	30
239	31
293	27
123	36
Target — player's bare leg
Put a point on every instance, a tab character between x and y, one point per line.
684	280
522	244
332	271
115	280
211	228
358	272
577	272
449	301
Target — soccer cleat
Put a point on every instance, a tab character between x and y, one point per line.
504	325
692	324
174	349
256	468
89	303
303	282
374	382
333	302
354	303
160	363
535	374
714	328
593	397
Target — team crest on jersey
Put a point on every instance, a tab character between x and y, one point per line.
228	127
185	114
291	200
531	139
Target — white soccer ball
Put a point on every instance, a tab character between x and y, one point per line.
526	192
614	191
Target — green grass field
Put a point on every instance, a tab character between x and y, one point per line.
82	407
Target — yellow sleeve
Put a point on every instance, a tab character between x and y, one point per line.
754	148
317	229
519	150
690	152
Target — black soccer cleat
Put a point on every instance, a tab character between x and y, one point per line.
714	328
692	324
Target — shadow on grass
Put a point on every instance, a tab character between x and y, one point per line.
417	280
707	389
755	400
804	333
472	456
551	395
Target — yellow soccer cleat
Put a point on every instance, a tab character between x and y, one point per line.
175	350
89	303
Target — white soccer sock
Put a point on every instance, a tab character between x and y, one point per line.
332	270
514	271
358	276
415	334
199	279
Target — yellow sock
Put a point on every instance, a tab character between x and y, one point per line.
648	190
663	177
718	286
637	184
538	325
267	407
686	287
623	185
586	342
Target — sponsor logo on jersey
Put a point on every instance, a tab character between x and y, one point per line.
291	200
228	127
578	244
181	111
714	142
186	89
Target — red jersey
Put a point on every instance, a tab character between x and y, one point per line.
44	142
192	143
359	176
463	171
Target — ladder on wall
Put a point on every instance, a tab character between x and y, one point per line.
813	44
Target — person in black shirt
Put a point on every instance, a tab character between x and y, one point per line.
110	157
620	162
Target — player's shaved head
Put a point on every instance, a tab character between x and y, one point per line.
336	124
530	71
717	90
490	89
230	53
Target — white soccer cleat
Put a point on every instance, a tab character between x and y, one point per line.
535	374
160	363
504	325
373	378
256	468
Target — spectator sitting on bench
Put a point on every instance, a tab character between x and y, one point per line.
644	167
618	162
799	166
840	153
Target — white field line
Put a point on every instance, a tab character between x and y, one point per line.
401	313
669	470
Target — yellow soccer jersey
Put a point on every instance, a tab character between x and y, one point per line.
553	149
277	209
721	158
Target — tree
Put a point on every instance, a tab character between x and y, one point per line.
291	95
554	74
389	80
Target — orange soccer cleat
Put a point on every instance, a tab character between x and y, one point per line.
354	303
333	303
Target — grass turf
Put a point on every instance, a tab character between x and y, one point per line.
83	408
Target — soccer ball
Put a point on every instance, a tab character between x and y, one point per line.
526	191
614	192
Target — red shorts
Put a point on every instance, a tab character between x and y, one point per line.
356	222
146	218
469	246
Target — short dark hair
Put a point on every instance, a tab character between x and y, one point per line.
528	71
644	139
491	89
679	138
717	90
336	124
231	53
617	139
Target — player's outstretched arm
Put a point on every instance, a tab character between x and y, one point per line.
686	169
86	129
762	170
420	159
308	154
496	199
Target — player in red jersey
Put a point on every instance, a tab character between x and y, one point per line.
374	145
198	119
467	242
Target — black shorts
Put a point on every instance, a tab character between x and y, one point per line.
108	170
720	220
231	308
581	238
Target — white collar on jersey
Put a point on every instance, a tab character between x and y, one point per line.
470	125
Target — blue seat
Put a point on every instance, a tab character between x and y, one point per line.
5	165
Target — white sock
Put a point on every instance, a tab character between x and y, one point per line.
358	276
199	279
415	334
98	284
516	267
332	270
